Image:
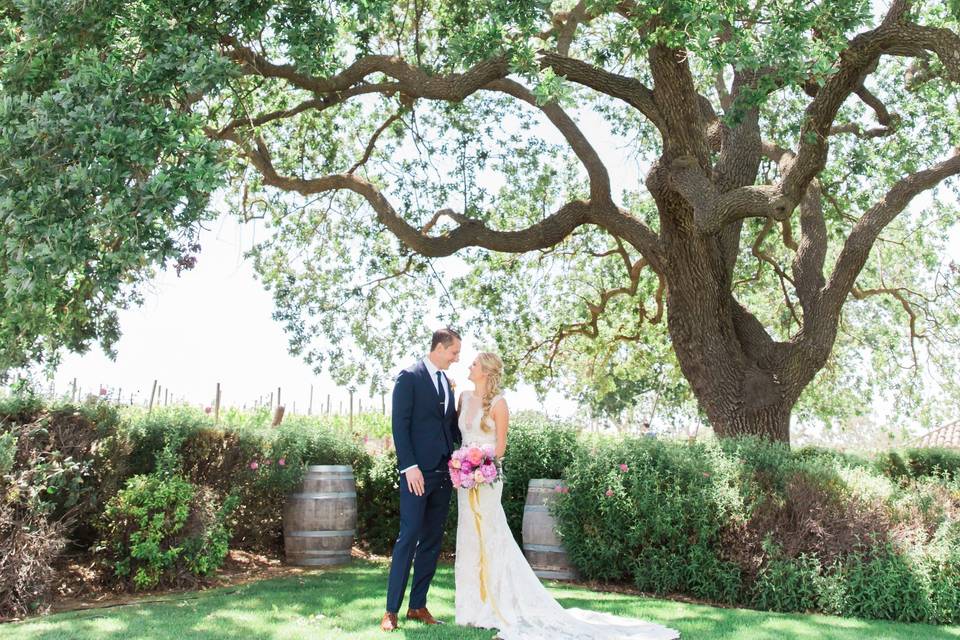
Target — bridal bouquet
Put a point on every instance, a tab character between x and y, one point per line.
474	465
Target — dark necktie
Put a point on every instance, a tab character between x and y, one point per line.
443	395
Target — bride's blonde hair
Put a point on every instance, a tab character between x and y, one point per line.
492	366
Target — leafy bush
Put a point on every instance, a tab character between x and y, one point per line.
46	489
160	528
753	523
740	521
651	513
258	463
536	448
881	583
920	463
788	584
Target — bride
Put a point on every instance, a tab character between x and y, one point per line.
495	587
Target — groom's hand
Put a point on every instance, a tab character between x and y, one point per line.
414	481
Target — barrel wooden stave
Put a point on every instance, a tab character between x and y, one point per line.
542	546
319	521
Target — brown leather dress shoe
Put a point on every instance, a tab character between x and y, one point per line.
389	622
423	616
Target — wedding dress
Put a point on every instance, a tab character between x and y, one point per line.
495	586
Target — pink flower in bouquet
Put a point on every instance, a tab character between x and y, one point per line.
489	472
254	465
489	450
455	478
466	480
475	455
466	466
454	463
478	476
609	492
624	468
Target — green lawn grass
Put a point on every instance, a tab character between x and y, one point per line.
348	603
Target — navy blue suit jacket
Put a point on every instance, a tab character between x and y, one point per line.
422	433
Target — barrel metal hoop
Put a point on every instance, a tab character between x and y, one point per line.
321	534
544	483
330	468
550	548
323	496
555	575
319	562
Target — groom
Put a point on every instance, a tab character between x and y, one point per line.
425	433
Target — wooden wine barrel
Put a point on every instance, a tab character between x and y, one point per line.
541	545
319	522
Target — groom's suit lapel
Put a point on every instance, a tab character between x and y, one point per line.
428	380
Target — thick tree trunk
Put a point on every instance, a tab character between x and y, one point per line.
740	394
736	371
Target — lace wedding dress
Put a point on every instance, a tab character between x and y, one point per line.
497	589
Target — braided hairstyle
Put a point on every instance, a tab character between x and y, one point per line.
492	365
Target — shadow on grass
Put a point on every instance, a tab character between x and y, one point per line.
348	603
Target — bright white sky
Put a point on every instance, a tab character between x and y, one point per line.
213	324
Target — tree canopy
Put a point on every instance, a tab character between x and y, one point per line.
771	241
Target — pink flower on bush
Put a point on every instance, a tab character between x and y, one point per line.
624	468
706	475
282	462
558	488
254	465
207	410
609	492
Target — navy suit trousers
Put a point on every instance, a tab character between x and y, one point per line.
422	520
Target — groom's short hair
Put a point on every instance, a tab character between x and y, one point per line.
445	336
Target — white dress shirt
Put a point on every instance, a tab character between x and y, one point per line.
447	394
